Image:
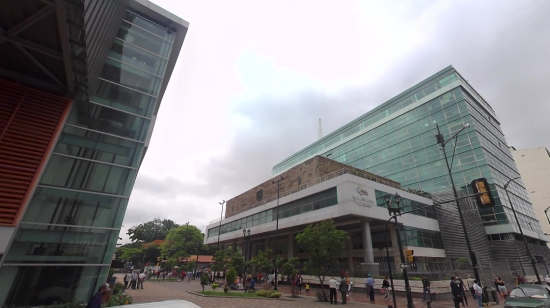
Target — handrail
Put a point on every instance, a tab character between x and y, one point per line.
327	177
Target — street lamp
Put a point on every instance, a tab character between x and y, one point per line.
397	200
277	230
546	213
533	263
443	142
245	233
387	198
220	227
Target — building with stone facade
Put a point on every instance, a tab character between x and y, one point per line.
352	198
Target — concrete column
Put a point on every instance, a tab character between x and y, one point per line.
290	245
349	253
368	252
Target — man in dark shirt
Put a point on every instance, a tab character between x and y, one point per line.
426	287
102	296
455	290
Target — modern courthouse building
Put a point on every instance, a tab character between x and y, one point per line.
81	82
394	145
534	166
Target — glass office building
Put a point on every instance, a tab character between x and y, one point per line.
397	140
64	243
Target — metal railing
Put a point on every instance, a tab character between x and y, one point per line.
324	178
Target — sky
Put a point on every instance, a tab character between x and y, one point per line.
253	78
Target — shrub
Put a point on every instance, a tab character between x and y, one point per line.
263	293
231	276
118	288
214	286
111	272
119	300
274	295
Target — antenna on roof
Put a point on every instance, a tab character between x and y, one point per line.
319	131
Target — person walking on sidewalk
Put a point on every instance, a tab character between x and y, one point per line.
343	290
478	293
455	291
462	290
370	287
386	287
141	278
425	287
333	285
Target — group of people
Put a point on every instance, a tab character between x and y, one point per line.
134	279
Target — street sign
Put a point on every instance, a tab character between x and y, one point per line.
405	266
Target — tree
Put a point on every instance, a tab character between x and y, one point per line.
189	266
289	269
134	255
220	258
325	244
152	230
183	241
237	262
262	261
230	277
204	280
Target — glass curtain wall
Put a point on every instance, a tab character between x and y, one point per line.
63	248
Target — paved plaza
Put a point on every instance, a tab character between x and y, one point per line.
155	291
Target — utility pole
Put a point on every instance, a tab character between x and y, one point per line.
443	142
533	262
220	227
277	231
397	200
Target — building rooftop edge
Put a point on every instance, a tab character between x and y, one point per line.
381	106
165	13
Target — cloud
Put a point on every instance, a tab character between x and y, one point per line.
254	77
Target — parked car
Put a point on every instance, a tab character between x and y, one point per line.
529	295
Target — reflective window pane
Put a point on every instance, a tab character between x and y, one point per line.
144	39
80	174
103	119
131	77
138	57
51	244
64	207
149	26
122	98
83	143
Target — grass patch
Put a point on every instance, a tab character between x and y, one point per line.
235	294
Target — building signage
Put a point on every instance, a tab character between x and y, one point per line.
361	198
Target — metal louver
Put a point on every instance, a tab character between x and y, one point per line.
29	122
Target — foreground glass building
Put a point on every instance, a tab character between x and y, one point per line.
397	140
59	242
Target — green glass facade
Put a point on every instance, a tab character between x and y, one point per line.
397	140
63	247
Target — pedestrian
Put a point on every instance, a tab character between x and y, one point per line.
462	290
127	278
141	278
370	287
478	293
307	289
189	274
343	290
102	296
348	284
386	287
300	283
425	287
164	275
521	279
134	280
246	284
455	291
260	277
252	284
333	285
158	274
470	286
501	287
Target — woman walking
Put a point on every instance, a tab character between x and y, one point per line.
478	292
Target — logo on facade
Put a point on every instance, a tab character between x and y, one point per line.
259	195
361	191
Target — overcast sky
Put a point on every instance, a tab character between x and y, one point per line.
253	78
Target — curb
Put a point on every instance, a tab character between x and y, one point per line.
259	297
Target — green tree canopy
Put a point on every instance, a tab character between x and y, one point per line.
263	262
326	245
152	230
184	241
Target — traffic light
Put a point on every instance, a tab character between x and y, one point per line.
485	198
409	255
